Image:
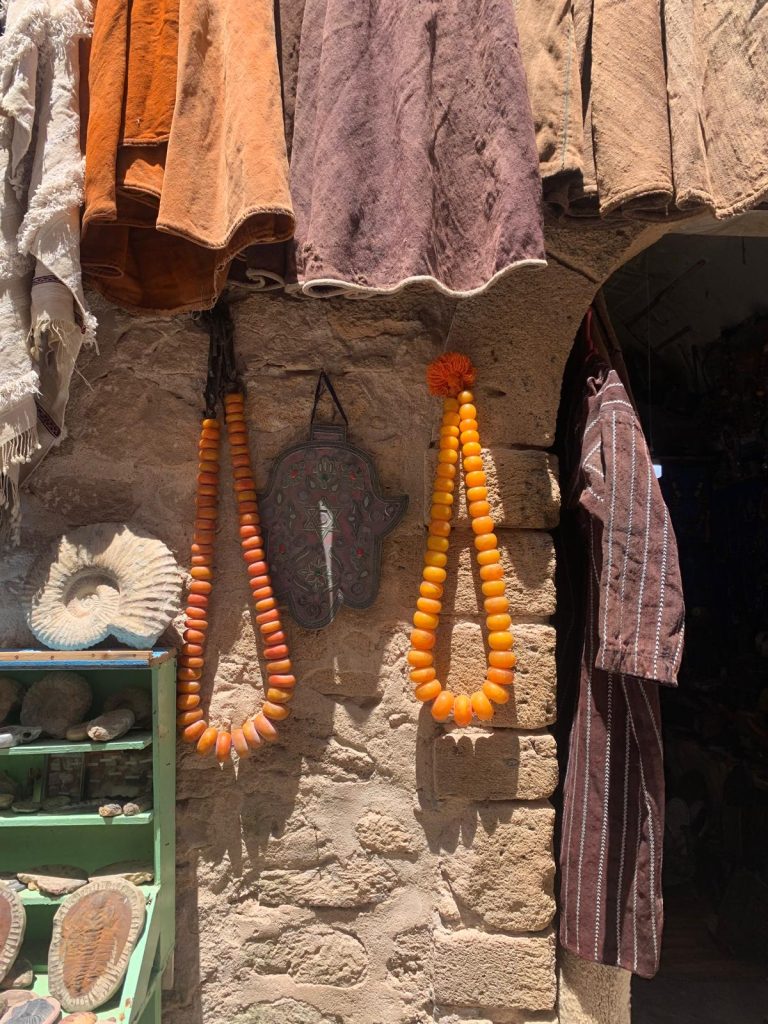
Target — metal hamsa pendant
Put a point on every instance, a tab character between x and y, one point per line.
324	519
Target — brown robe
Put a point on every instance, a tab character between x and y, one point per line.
621	638
185	148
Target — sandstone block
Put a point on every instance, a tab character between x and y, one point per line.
461	659
528	557
495	765
381	833
522	489
360	882
286	1011
504	879
316	955
471	968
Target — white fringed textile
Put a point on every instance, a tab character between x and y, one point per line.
43	318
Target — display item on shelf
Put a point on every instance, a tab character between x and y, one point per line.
94	933
13	924
102	580
56	702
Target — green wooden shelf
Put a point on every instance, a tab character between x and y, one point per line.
9	819
32	898
89	841
138	740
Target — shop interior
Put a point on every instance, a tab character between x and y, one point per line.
690	317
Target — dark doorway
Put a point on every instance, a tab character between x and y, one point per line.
691	315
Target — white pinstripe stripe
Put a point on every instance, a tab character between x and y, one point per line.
619	901
662	586
645	562
629	536
594	581
611	519
603	405
604	824
651	835
591	452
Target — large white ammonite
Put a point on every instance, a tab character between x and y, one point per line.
102	580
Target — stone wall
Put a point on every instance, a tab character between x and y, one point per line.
372	867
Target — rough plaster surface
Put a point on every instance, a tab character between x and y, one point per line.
371	867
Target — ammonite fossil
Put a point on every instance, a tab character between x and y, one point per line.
99	581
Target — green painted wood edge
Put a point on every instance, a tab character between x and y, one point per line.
9	820
132	741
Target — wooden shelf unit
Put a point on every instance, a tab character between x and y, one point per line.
90	842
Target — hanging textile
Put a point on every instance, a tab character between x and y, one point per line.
185	152
692	73
413	151
621	636
43	319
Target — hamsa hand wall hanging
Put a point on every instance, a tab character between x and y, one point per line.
324	519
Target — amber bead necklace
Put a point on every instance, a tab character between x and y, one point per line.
451	376
193	722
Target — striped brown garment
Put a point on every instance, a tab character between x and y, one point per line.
612	824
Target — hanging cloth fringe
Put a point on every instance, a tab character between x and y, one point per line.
43	319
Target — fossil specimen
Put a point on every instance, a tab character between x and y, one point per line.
99	581
136	700
136	871
54	879
14	996
13	735
111	725
20	975
34	1011
13	923
10	696
56	702
79	1018
94	933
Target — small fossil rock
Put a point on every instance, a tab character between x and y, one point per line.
34	1011
136	871
136	700
10	696
21	975
14	735
138	806
111	725
55	702
25	806
9	878
54	879
13	997
77	733
110	810
79	1018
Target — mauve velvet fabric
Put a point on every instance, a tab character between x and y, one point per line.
413	150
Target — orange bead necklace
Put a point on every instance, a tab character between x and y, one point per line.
192	721
451	376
